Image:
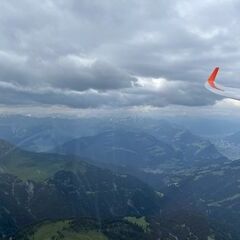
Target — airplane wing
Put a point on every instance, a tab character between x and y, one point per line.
233	93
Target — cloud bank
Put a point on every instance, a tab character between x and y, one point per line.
108	54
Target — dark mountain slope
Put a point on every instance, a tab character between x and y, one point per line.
141	150
126	148
35	186
213	191
196	150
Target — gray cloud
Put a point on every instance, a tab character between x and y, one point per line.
91	54
169	93
82	74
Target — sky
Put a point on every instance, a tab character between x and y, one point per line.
101	56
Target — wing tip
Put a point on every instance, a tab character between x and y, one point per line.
212	78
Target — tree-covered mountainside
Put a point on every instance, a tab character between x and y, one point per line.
35	186
213	191
40	192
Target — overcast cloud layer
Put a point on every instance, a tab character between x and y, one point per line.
94	54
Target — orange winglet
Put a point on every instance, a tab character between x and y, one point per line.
212	78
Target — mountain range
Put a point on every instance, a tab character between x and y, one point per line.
160	181
142	150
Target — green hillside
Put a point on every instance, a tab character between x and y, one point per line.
35	166
61	230
84	229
